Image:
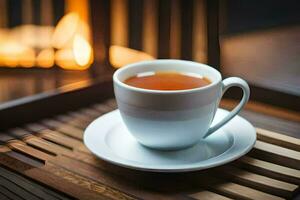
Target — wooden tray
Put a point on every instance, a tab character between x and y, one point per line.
47	160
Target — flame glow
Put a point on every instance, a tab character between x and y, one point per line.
71	38
65	30
64	58
82	51
120	56
67	45
27	58
13	53
45	58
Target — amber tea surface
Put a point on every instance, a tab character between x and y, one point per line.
167	81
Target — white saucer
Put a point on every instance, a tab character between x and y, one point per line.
108	138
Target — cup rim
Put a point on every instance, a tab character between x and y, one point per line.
136	89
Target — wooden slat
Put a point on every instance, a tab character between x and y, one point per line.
68	184
2	195
143	178
75	155
270	169
258	107
93	113
102	107
207	195
80	116
51	180
4	148
278	139
78	180
241	192
64	128
83	182
22	147
28	185
105	177
34	142
10	195
54	148
47	146
35	127
73	121
92	161
63	140
26	161
146	179
276	154
5	138
18	133
83	117
65	184
258	182
90	170
88	159
125	176
271	172
16	190
80	119
233	190
283	126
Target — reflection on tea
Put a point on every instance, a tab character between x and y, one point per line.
167	81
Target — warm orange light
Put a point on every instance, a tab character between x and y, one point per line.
82	51
45	58
65	30
20	44
32	35
71	38
68	45
120	56
4	34
64	58
10	52
27	58
81	8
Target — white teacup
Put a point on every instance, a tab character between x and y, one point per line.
173	119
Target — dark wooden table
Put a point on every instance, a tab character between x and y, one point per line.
16	83
43	157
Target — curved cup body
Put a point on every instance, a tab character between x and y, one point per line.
168	120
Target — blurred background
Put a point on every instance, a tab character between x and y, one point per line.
46	44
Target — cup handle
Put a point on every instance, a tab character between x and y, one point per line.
226	84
